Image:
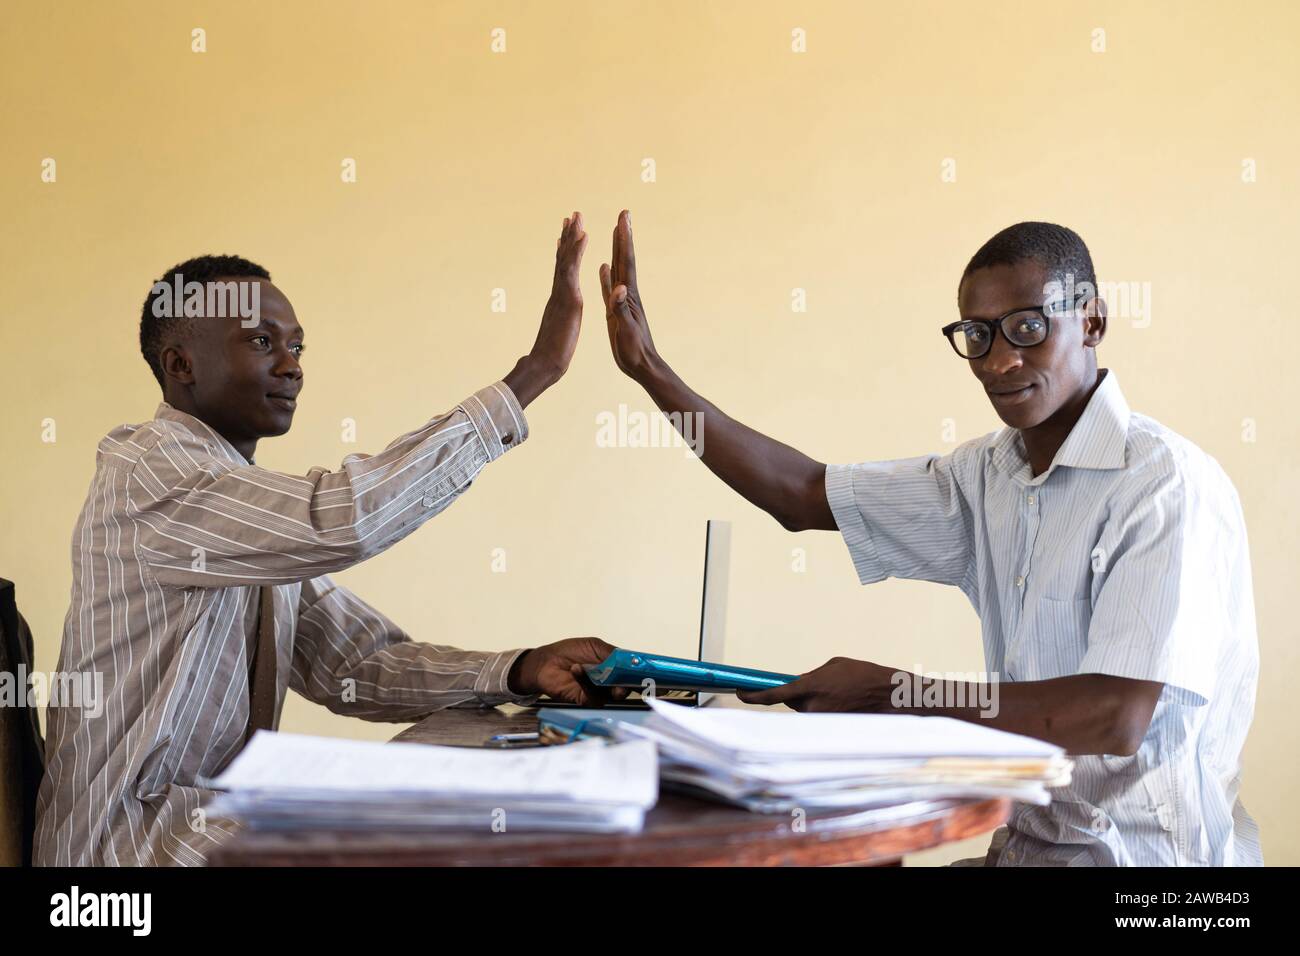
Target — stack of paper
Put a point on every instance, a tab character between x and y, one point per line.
288	781
775	762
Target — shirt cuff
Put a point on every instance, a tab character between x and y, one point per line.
491	687
848	518
498	418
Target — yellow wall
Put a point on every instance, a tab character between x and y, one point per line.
775	170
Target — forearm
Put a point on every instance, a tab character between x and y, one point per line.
781	480
1084	713
408	680
353	659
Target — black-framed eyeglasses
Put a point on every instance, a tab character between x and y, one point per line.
1023	328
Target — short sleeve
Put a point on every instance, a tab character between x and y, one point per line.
1162	608
907	518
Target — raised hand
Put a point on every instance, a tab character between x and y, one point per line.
629	332
557	337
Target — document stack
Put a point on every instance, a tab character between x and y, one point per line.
289	781
777	762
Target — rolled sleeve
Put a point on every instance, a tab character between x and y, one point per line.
498	418
839	493
907	518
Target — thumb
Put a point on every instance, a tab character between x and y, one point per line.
619	304
771	695
605	290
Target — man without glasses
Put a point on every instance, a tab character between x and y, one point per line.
201	584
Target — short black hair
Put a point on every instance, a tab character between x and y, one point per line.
1059	250
154	329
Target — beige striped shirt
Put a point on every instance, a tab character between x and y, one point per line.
177	534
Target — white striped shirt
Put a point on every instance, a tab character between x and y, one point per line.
177	534
1128	557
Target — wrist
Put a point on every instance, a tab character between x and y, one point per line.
652	373
530	377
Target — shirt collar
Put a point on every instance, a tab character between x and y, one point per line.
1097	440
201	429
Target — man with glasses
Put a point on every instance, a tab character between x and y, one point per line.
1105	555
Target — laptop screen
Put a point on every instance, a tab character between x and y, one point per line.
713	605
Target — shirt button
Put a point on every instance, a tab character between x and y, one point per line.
428	501
1020	581
1031	499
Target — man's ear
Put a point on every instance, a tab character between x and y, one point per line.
176	364
1094	321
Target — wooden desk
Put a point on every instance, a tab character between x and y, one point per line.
680	831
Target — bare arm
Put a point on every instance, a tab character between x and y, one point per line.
1084	713
781	480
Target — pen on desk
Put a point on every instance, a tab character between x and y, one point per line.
512	738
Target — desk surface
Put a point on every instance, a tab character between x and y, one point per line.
681	830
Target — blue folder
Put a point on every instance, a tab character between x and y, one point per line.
634	668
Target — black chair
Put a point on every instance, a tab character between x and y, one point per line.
22	750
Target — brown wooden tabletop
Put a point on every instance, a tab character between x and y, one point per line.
681	830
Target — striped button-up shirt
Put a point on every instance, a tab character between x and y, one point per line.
176	537
1128	557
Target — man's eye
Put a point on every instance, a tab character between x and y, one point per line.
260	340
299	348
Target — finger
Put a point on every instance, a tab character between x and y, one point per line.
629	255
775	695
589	694
568	258
579	233
599	649
616	256
577	690
606	289
620	306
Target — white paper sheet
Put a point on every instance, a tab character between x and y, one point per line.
773	736
589	771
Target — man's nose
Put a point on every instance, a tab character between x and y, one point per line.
287	365
1002	357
